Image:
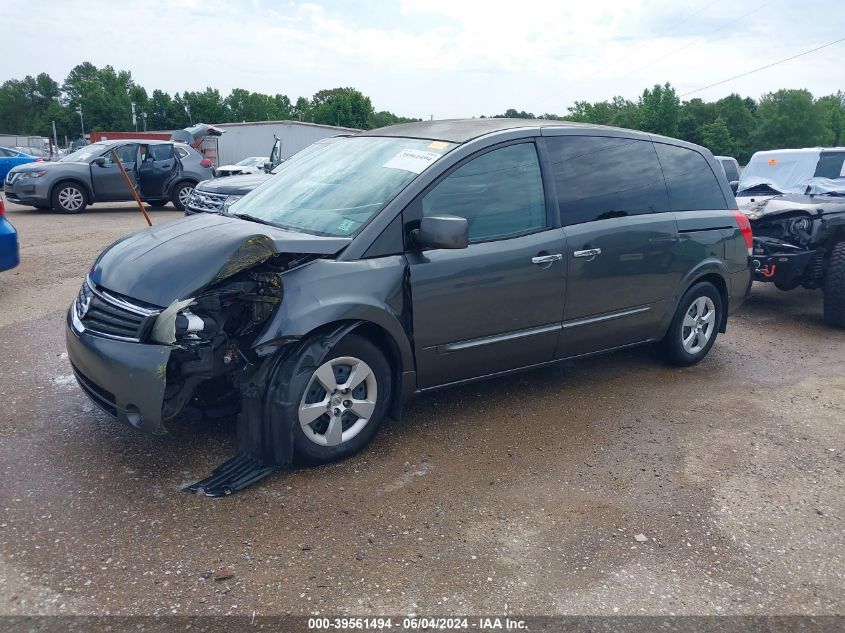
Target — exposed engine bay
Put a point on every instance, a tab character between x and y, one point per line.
793	236
212	335
785	250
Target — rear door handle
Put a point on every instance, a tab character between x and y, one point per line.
546	259
590	252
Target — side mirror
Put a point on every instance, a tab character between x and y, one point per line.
101	161
442	231
268	166
734	186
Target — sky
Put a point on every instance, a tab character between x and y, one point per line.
440	58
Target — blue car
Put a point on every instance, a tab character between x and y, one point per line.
9	256
10	157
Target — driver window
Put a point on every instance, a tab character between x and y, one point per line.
500	194
126	154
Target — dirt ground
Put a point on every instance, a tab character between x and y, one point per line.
523	494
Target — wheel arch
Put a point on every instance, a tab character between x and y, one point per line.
374	332
183	180
722	286
712	271
89	195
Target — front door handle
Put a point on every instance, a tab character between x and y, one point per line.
546	259
590	252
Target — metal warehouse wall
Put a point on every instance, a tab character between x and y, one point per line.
256	139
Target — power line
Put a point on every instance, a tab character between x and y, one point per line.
751	72
663	32
652	39
687	45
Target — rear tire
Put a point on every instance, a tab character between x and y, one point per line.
694	327
69	197
834	287
181	194
330	423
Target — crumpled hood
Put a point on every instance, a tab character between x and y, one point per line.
769	205
176	260
234	185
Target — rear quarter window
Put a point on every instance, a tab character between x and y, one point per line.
831	165
691	183
161	152
601	177
731	171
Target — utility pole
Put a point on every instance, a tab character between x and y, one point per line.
134	118
144	119
188	111
55	136
81	120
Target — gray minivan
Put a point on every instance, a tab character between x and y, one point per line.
405	259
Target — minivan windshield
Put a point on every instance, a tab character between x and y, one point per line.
335	186
85	154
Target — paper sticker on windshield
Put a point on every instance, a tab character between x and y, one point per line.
438	145
413	160
773	161
346	226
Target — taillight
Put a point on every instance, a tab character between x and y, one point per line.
2	208
206	162
39	160
745	227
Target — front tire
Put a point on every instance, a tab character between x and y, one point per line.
342	403
68	197
834	287
694	327
181	195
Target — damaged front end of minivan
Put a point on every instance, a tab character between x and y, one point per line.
165	323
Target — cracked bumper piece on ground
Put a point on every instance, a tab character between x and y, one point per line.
124	379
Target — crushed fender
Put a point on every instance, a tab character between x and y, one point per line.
265	425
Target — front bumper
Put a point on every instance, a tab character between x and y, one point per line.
30	191
781	262
126	380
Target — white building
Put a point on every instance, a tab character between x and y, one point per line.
256	139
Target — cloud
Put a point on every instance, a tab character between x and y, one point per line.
441	57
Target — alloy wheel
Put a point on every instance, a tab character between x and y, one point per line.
185	194
338	402
699	325
71	198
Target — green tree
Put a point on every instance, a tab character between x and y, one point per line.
345	107
740	123
384	118
302	110
717	138
659	110
694	114
511	113
833	112
206	106
790	118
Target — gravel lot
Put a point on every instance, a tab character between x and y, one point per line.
528	491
